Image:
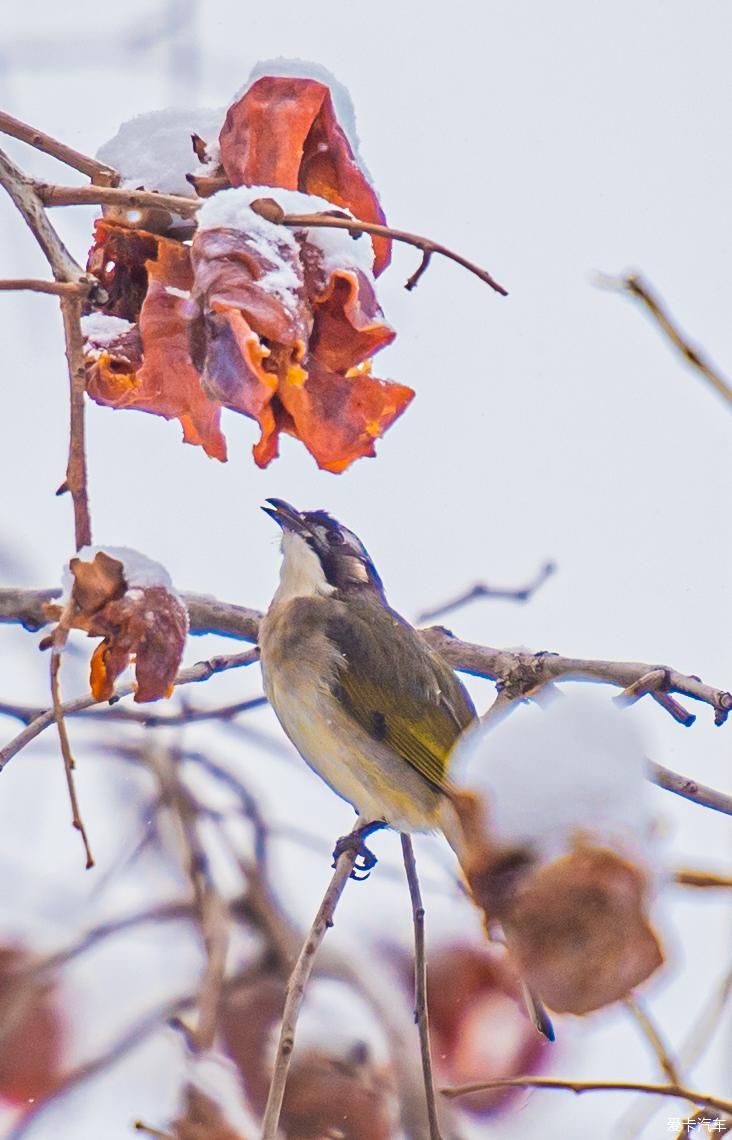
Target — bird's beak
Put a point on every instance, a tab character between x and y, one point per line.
285	516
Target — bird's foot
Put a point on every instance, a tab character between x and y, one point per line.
355	841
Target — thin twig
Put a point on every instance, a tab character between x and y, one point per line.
636	286
51	195
690	789
38	285
652	1035
63	736
483	590
76	476
64	268
672	1090
140	1126
212	912
202	671
99	172
22	190
296	990
421	1008
702	879
427	245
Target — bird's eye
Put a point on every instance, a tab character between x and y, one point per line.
334	538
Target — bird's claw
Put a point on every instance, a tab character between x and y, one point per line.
364	861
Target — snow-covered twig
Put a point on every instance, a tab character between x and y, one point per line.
59	640
421	1009
296	990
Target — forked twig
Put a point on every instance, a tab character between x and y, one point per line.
421	1008
296	984
483	590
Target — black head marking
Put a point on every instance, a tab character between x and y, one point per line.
345	560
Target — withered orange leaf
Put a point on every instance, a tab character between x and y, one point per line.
127	600
153	372
284	132
278	325
338	417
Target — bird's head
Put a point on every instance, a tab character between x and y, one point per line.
321	555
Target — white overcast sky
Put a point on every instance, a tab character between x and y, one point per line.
548	142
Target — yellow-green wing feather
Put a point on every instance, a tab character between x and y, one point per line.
397	689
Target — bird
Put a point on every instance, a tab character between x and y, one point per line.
370	707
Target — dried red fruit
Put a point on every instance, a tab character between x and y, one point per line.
284	132
276	325
128	601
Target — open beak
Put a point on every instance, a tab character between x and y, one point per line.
286	516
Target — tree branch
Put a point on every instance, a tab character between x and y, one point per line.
135	199
421	1009
64	268
634	285
483	590
296	991
99	172
690	789
579	1087
38	285
202	671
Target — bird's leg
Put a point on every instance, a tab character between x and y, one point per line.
365	860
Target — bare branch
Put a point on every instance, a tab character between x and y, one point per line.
212	912
51	195
421	1009
653	1036
99	172
22	190
38	285
634	285
296	990
521	673
518	673
202	671
483	590
672	1090
76	477
64	268
690	789
702	879
63	736
427	245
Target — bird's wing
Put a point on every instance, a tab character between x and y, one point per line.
397	689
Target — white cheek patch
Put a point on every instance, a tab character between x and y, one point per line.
301	575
